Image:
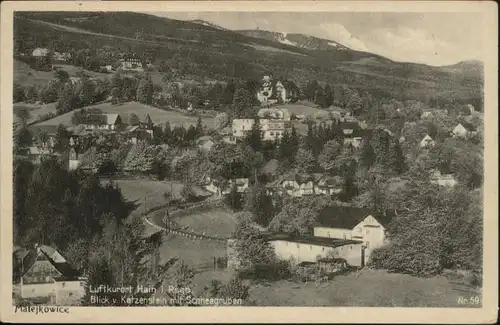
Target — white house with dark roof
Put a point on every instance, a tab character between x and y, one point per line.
298	249
45	273
40	52
108	122
464	130
427	142
356	224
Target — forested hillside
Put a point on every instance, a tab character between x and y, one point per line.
195	49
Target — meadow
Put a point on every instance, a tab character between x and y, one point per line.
368	288
158	116
147	194
216	222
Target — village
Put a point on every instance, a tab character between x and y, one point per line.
318	188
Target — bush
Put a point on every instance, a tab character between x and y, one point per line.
272	272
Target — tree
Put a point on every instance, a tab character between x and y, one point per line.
234	199
368	157
254	137
251	247
67	99
259	204
62	76
305	161
354	102
235	289
199	127
23	114
330	152
134	119
18	94
145	90
242	103
221	120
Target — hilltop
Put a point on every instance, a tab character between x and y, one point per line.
202	49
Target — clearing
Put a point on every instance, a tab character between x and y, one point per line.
25	76
136	190
369	288
265	48
158	116
35	110
302	108
215	222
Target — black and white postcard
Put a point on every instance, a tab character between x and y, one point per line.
162	156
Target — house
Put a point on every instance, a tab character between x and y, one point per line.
274	113
40	52
45	273
56	56
107	68
217	188
296	185
299	249
74	159
356	224
427	142
426	115
446	180
108	122
272	130
131	63
353	133
205	143
241	185
328	185
271	91
464	130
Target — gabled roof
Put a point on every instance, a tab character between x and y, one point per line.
47	253
469	127
271	167
349	217
111	118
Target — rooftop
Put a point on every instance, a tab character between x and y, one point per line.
349	217
311	240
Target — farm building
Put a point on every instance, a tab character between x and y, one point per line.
45	273
272	130
299	249
427	142
40	52
354	223
446	180
464	130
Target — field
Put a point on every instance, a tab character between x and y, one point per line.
34	109
136	190
158	116
217	222
302	108
24	75
195	253
370	288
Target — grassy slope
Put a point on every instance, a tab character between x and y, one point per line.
217	222
34	109
371	288
136	190
158	116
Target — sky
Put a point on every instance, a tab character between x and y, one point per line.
429	38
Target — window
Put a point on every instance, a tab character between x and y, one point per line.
350	247
63	284
367	231
367	244
310	247
322	249
70	294
272	133
234	131
298	246
328	235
